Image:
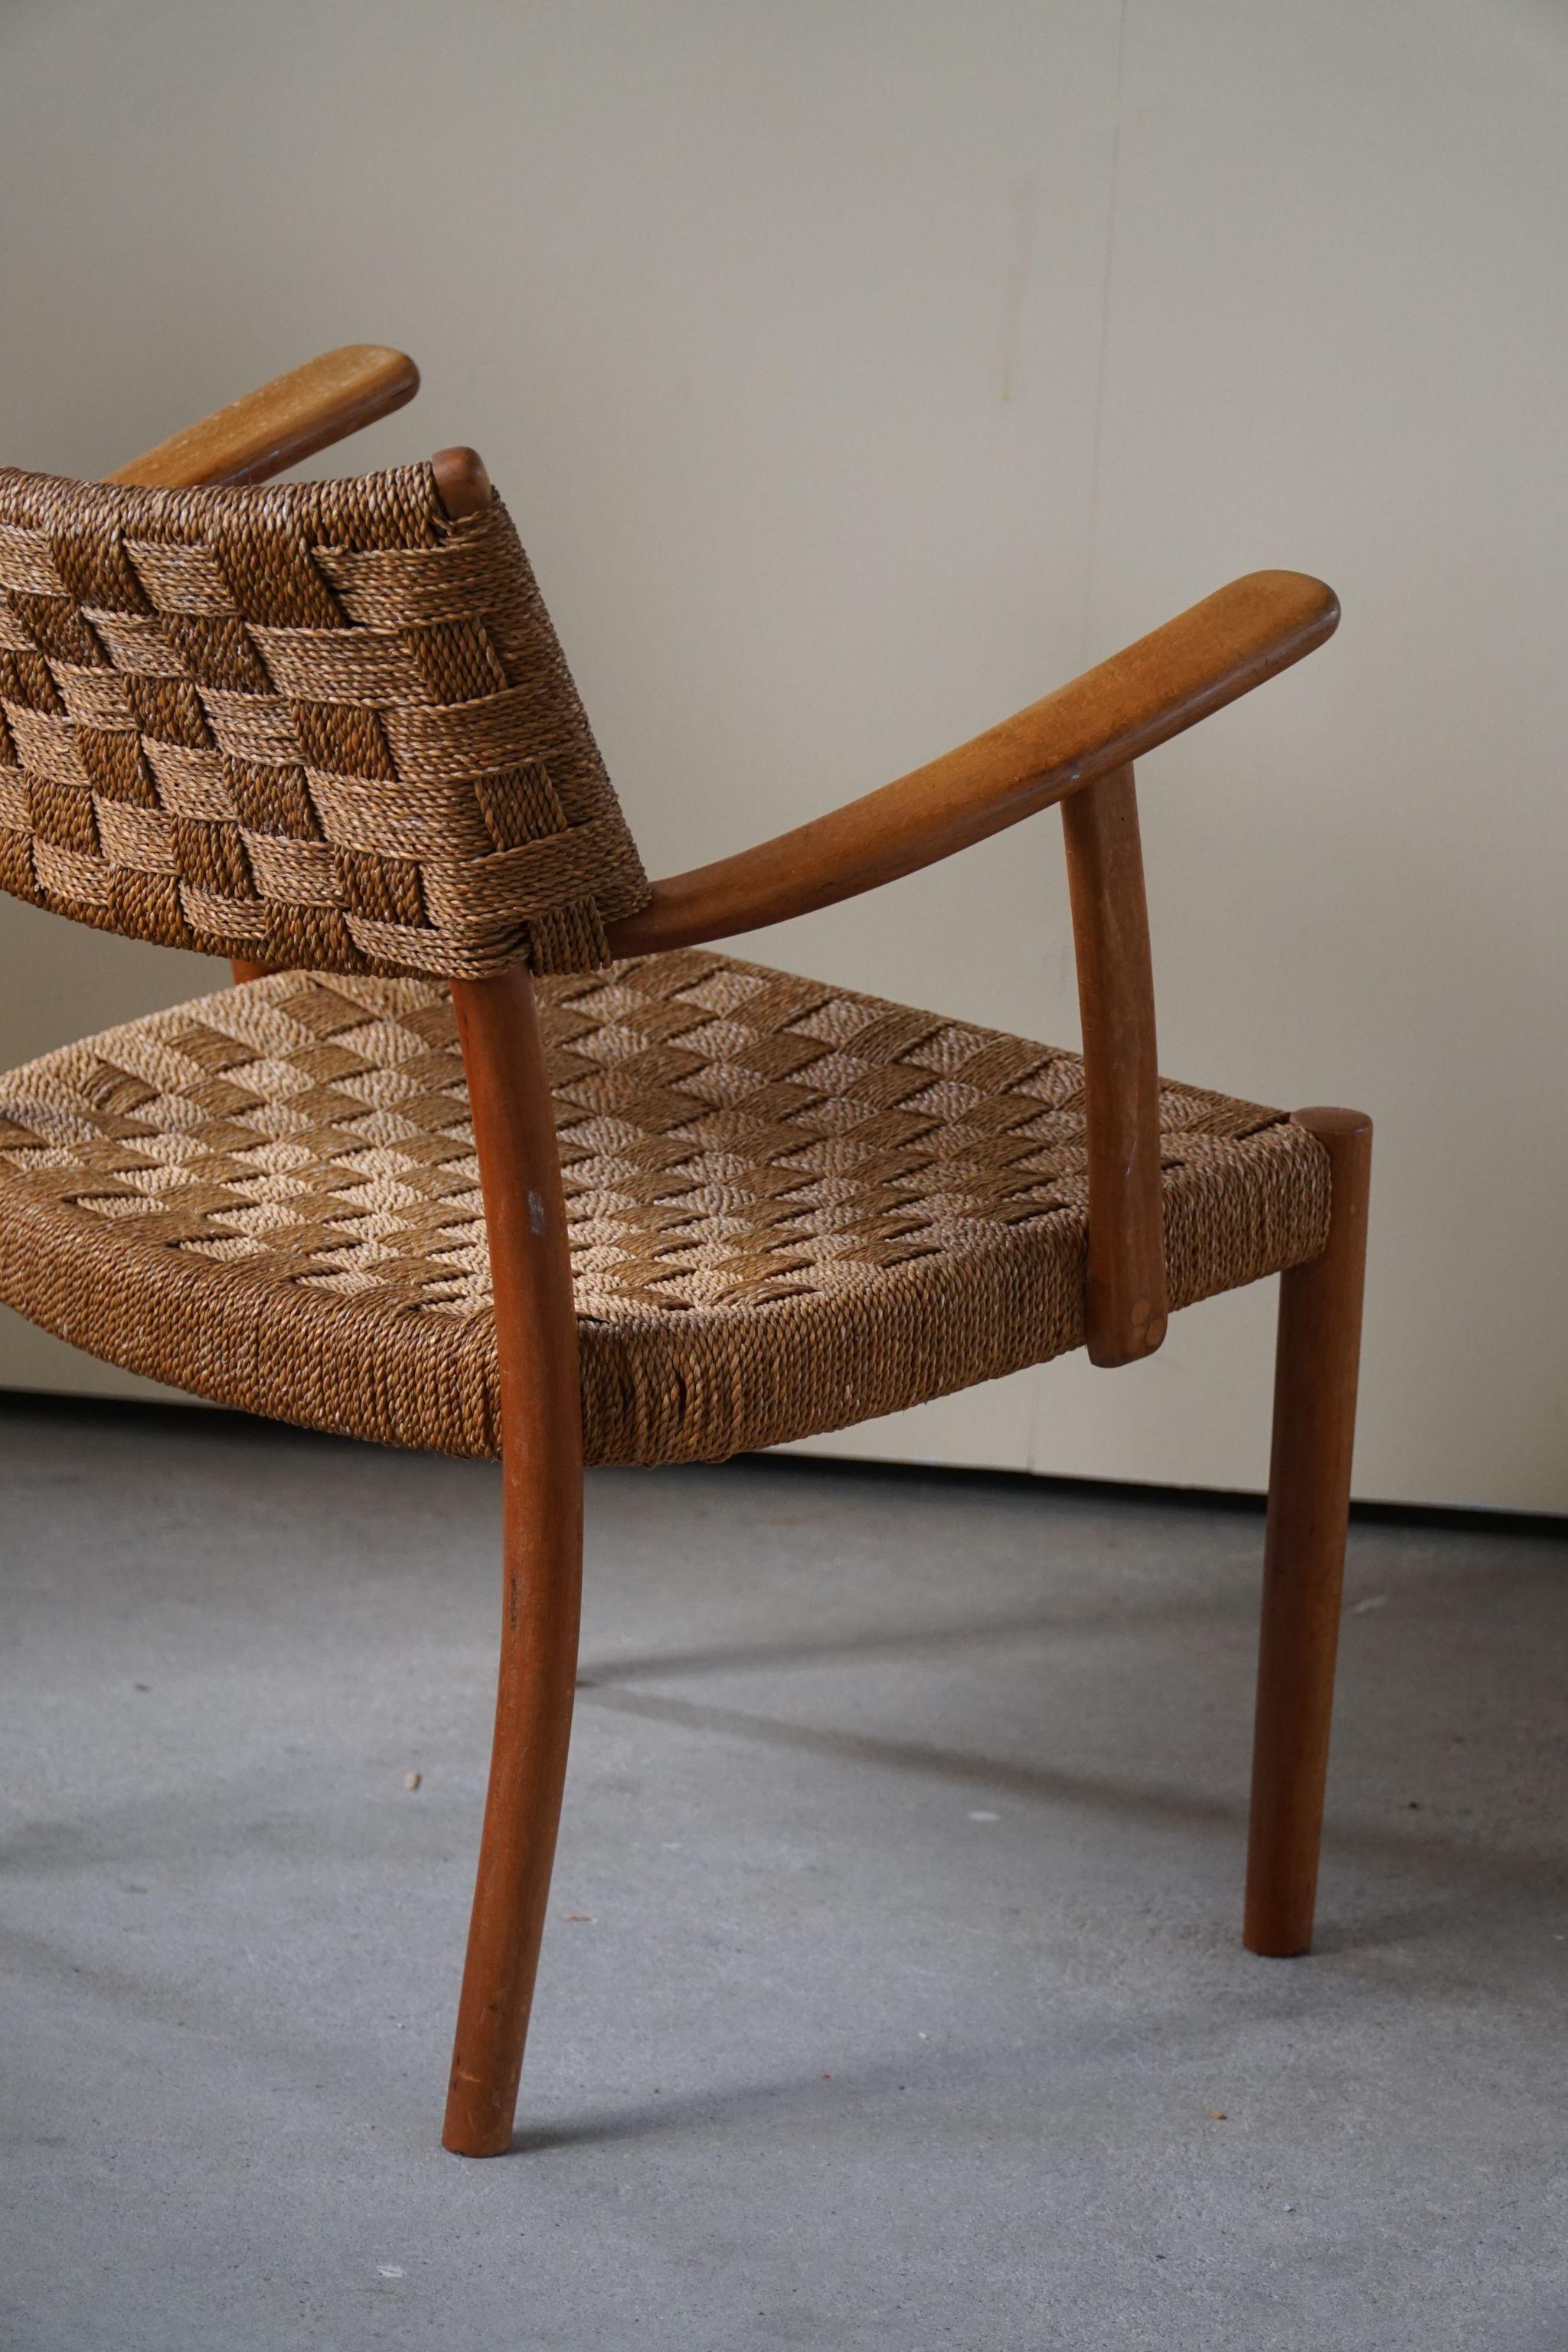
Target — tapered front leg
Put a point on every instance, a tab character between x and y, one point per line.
543	1581
1303	1567
542	1462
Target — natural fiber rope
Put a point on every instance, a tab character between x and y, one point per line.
316	724
792	1207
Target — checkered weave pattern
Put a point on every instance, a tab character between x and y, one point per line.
791	1207
317	724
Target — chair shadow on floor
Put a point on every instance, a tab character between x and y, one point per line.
1454	1610
1455	1870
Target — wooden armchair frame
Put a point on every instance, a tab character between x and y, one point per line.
1075	746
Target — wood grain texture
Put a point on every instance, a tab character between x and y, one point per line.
1076	746
542	1472
1127	1301
1206	657
541	1438
282	422
1316	1371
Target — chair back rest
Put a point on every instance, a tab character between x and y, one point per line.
316	724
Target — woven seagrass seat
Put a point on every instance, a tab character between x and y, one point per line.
489	1151
789	1206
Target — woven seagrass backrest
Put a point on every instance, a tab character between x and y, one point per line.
314	724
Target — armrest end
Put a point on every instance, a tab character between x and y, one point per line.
282	422
1205	657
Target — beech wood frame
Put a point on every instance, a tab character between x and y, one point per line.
1076	746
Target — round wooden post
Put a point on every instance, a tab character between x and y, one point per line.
1126	1300
1303	1567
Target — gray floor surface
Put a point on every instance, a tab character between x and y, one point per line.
891	1996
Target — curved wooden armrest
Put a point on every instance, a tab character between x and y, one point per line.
1205	657
281	421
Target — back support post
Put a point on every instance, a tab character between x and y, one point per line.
1127	1304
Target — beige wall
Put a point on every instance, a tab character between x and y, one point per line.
856	372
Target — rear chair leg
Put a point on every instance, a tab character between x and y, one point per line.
542	1585
1304	1552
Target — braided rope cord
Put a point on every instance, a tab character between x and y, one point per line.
313	725
791	1207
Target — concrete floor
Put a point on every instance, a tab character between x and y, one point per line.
908	2012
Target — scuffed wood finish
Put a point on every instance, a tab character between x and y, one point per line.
1206	657
1315	1380
1126	1301
282	422
542	1455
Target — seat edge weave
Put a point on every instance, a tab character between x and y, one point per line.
660	1391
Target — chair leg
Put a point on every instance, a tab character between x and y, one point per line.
1304	1552
543	1586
